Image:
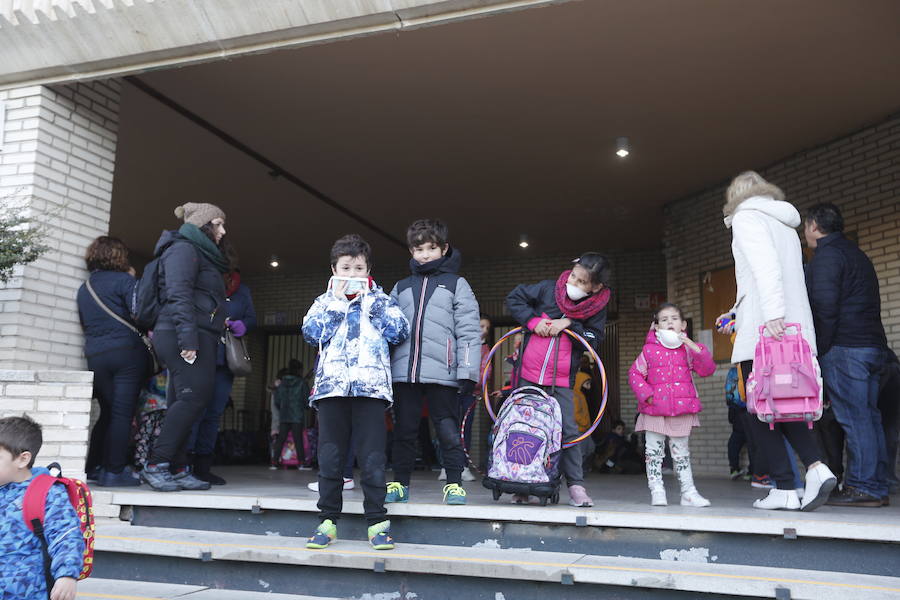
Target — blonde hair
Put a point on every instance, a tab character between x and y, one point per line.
746	185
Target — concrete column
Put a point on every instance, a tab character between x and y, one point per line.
57	160
57	155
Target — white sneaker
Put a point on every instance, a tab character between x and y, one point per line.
467	475
442	476
693	498
779	500
819	483
348	485
658	497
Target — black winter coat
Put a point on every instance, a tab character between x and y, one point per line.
102	333
192	291
526	302
844	296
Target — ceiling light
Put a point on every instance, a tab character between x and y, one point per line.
273	262
622	147
523	241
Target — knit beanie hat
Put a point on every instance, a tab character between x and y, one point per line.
199	213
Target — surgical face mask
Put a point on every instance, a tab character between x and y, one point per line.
574	292
355	285
668	338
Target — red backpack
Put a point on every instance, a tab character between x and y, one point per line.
33	507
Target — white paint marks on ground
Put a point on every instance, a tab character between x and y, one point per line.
694	555
499	596
274	533
265	584
388	596
493	544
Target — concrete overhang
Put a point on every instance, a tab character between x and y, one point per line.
57	41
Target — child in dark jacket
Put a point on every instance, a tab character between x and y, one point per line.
22	573
576	300
291	398
440	360
668	403
352	323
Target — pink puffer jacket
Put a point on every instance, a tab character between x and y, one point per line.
665	375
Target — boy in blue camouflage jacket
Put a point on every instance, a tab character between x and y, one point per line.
352	323
22	566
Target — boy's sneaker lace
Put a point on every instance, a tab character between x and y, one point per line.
396	492
380	536
454	494
324	535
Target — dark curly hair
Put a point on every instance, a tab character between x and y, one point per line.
351	245
107	253
424	231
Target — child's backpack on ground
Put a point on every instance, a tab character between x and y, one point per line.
785	384
527	440
289	452
33	512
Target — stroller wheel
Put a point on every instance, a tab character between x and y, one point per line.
543	500
497	493
555	498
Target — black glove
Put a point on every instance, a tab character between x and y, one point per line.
466	386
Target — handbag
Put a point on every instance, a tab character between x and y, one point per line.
145	339
236	355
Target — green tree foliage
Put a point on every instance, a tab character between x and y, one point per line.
21	242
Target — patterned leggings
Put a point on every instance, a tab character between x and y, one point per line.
681	458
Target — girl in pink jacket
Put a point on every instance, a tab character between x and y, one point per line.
668	403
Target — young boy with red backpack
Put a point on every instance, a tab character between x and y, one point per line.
32	565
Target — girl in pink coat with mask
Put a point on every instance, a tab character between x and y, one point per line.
668	402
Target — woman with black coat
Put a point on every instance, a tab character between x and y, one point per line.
116	355
186	335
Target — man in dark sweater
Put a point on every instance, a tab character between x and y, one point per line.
846	306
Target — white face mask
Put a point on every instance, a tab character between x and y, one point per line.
355	285
669	338
574	292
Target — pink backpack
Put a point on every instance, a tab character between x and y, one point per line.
784	385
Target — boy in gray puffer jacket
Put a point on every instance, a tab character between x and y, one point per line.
440	360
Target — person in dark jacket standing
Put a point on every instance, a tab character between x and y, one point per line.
291	399
186	335
846	306
240	320
440	360
117	357
576	300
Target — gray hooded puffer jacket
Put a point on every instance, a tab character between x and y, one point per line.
444	345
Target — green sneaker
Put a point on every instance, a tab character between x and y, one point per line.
324	535
380	536
454	494
396	492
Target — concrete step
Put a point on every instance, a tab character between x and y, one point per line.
114	589
233	551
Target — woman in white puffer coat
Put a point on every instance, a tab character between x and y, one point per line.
771	291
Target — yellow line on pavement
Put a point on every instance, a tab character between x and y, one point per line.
499	561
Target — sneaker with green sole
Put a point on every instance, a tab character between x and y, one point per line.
396	492
380	536
324	535
454	494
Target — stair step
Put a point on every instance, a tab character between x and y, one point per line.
555	567
115	589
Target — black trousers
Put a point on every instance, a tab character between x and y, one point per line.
118	377
443	408
771	443
297	430
364	419
737	440
190	391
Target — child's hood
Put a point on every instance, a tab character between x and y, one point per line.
449	263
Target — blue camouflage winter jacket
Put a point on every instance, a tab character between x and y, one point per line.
353	338
22	566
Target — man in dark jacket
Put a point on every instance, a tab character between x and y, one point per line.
846	306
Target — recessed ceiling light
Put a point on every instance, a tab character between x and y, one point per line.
622	147
523	241
273	262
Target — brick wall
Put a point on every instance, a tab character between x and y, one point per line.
860	173
57	161
60	401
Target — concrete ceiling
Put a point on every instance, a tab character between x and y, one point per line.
505	125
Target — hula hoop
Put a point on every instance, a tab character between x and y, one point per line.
587	346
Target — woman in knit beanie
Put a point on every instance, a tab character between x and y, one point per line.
186	335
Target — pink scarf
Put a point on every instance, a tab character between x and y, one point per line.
583	309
